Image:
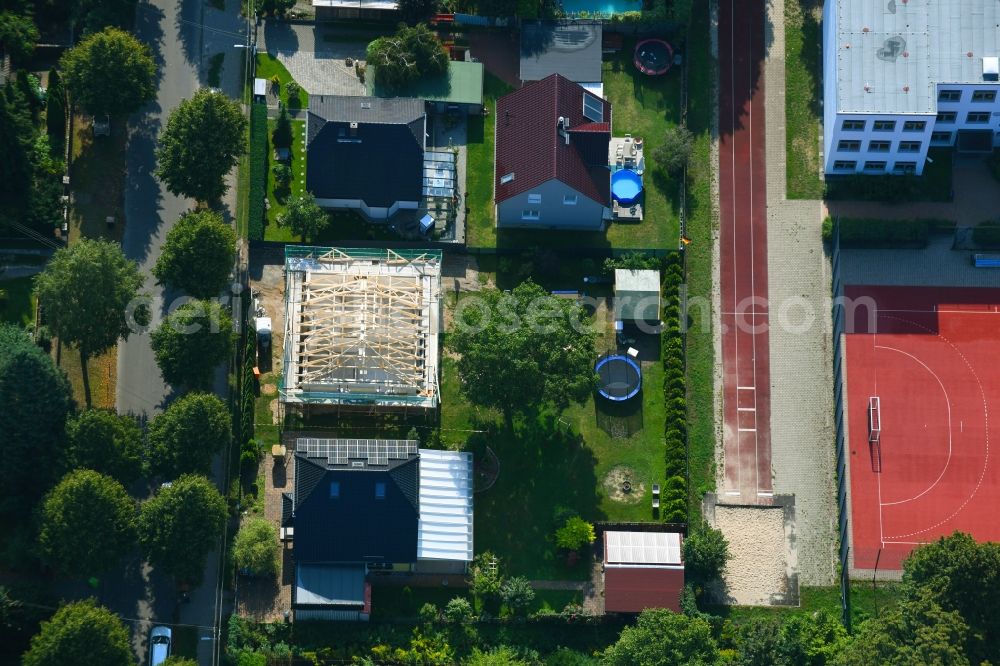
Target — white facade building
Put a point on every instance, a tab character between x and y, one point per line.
902	76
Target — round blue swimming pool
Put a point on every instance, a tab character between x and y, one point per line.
626	186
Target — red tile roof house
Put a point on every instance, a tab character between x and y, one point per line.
642	570
552	168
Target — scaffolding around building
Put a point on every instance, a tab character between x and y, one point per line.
362	327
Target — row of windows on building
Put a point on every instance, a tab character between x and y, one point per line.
971	118
853	146
534	213
875	166
884	125
983	96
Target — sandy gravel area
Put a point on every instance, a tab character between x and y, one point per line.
757	569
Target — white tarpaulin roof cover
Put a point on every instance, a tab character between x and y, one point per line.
445	528
642	548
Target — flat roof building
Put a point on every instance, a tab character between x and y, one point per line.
902	77
361	327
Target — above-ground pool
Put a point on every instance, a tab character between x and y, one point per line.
626	186
619	377
653	56
602	7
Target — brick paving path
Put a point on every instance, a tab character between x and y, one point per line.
801	373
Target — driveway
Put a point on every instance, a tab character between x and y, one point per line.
315	55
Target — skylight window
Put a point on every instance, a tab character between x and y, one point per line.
335	490
593	109
507	178
379	490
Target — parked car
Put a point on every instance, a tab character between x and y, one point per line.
159	645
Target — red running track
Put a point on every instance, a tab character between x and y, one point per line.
743	254
929	355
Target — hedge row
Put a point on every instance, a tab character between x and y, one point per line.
987	235
675	495
258	171
869	233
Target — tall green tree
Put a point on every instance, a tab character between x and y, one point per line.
706	552
414	11
90	293
961	575
17	138
198	254
110	72
918	631
411	54
55	110
192	342
87	524
281	137
304	217
523	349
35	399
185	437
106	442
181	525
256	547
202	142
18	36
673	153
575	534
664	638
83	634
502	655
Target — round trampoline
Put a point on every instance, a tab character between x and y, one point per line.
653	57
619	377
626	186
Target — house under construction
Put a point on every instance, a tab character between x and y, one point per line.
361	327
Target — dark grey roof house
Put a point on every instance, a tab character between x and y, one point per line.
571	49
365	153
364	505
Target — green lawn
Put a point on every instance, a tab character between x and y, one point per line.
276	205
267	67
17	301
555	460
802	98
642	106
865	602
700	347
480	230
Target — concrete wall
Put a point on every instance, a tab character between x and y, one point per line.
585	214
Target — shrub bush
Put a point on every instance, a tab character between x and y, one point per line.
674	508
888	234
987	234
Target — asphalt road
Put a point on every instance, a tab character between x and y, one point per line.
183	35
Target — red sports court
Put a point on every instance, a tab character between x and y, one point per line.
923	408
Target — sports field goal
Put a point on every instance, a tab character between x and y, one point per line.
875	432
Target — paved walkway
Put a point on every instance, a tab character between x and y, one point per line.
802	426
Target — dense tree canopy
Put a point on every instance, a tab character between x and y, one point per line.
705	555
83	634
192	342
197	255
181	525
663	638
575	534
90	293
35	400
410	54
673	153
414	11
18	35
522	349
256	547
185	437
202	142
88	524
107	442
110	72
304	217
964	576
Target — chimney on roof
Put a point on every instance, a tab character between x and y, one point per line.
562	127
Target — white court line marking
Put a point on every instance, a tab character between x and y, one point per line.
732	492
986	436
746	409
764	493
746	388
746	430
947	402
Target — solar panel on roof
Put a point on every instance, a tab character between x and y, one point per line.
592	108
